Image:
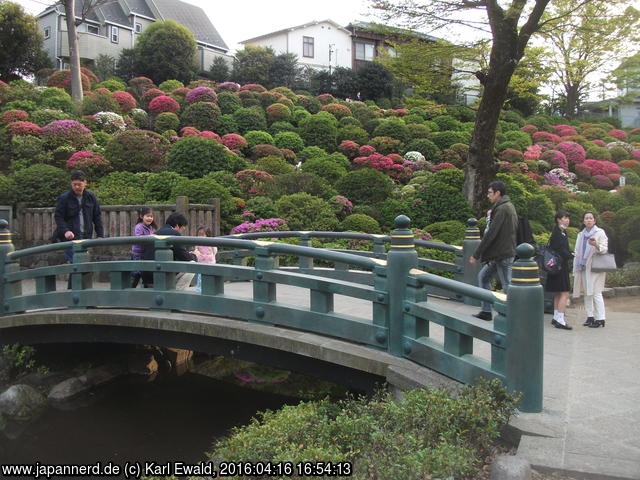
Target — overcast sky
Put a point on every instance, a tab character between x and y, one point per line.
243	19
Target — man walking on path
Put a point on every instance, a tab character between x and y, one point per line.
498	246
77	211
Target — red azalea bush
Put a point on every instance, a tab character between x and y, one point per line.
278	112
564	130
326	99
90	163
349	149
162	104
366	150
619	134
602	182
66	132
62	79
253	87
511	155
574	152
337	110
19	129
615	178
189	132
533	152
444	166
382	163
211	135
545	137
252	181
233	141
125	100
201	94
93	79
530	129
150	95
601	167
14	116
555	159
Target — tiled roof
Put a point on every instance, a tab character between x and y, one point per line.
140	7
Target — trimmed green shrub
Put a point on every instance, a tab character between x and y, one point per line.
158	186
447	122
359	222
257	137
168	85
227	125
319	130
386	145
227	180
167	121
426	147
447	138
8	190
45	116
201	190
366	186
598	153
279	127
326	168
296	182
194	157
248	119
261	207
311	152
39	185
112	84
289	140
418	130
576	211
274	165
99	102
137	151
278	112
449	231
438	202
392	127
353	133
120	188
339	159
306	212
28	150
522	139
228	102
201	115
453	178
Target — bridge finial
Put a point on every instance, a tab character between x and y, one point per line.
402	221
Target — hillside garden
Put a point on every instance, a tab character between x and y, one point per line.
280	160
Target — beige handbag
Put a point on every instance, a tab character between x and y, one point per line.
603	262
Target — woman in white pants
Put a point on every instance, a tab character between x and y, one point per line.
591	240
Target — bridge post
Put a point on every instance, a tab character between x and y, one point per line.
469	246
162	280
525	336
79	281
401	259
263	291
6	247
305	262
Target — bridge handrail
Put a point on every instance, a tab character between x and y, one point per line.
464	289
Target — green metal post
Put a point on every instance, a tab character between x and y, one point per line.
525	336
305	262
6	247
263	291
401	259
469	246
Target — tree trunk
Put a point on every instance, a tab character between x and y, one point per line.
572	101
74	52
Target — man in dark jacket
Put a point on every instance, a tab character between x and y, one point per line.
176	223
77	211
498	246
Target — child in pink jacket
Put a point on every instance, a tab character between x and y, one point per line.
205	254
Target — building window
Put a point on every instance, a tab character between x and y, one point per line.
307	47
93	29
138	27
365	51
115	35
47	32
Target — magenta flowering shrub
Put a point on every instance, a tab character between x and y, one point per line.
228	87
545	137
189	132
337	110
530	129
201	94
619	134
14	116
555	158
19	129
90	163
533	152
233	141
420	234
261	225
125	100
162	104
211	135
341	206
150	95
66	132
574	152
599	142
252	181
564	130
444	166
511	155
382	163
559	177
602	182
601	167
351	149
366	150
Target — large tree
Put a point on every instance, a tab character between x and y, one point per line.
166	50
510	25
252	65
585	40
21	50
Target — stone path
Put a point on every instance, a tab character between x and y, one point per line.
590	425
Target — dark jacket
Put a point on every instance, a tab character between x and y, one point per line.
67	215
500	240
180	253
559	243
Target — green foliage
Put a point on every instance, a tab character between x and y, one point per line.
358	222
194	157
522	139
201	115
28	150
431	433
447	138
201	190
167	121
248	119
319	130
603	200
166	50
453	178
258	137
168	85
39	185
449	231
306	212
539	209
291	183
113	85
261	207
625	277
426	147
354	133
290	140
274	165
278	127
438	202
45	116
325	168
393	127
137	151
598	153
311	152
8	190
120	188
17	361
447	122
228	102
252	65
159	186
99	102
576	211
374	81
367	186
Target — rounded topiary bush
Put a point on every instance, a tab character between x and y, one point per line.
319	130
42	117
277	127
448	231
162	104
248	119
120	188
426	147
437	202
447	138
170	85
125	101
447	122
8	190
258	137
137	151
194	157
159	186
393	127
201	115
39	185
325	168
359	222
66	133
274	165
278	113
306	212
289	140
367	186
167	121
598	153
201	190
228	102
522	139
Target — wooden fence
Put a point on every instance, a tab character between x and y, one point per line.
34	226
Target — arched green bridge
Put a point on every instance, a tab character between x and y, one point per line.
393	306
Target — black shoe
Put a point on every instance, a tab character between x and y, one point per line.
589	322
484	316
597	323
557	324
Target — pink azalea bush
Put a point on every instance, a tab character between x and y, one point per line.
150	95
162	104
211	135
350	149
189	132
555	159
599	142
277	112
530	129
602	182
201	94
228	87
382	163
125	100
574	152
564	130
546	137
66	132
619	134
533	152
601	167
251	181
233	141
261	225
19	129
341	206
444	166
337	110
14	116
366	150
89	162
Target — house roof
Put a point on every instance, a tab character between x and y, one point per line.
297	27
112	12
193	18
139	7
372	27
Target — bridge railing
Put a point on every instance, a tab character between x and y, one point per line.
400	316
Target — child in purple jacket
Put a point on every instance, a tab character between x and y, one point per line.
144	226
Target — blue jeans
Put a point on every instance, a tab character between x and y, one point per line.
500	267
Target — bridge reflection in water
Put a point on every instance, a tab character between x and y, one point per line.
391	330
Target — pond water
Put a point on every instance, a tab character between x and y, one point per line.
171	419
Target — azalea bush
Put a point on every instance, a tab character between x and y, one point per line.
137	151
261	225
66	132
201	94
162	104
92	164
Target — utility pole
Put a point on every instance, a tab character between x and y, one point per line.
331	45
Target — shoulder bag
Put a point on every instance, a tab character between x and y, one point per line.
549	260
603	262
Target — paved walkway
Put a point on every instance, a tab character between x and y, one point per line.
590	425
